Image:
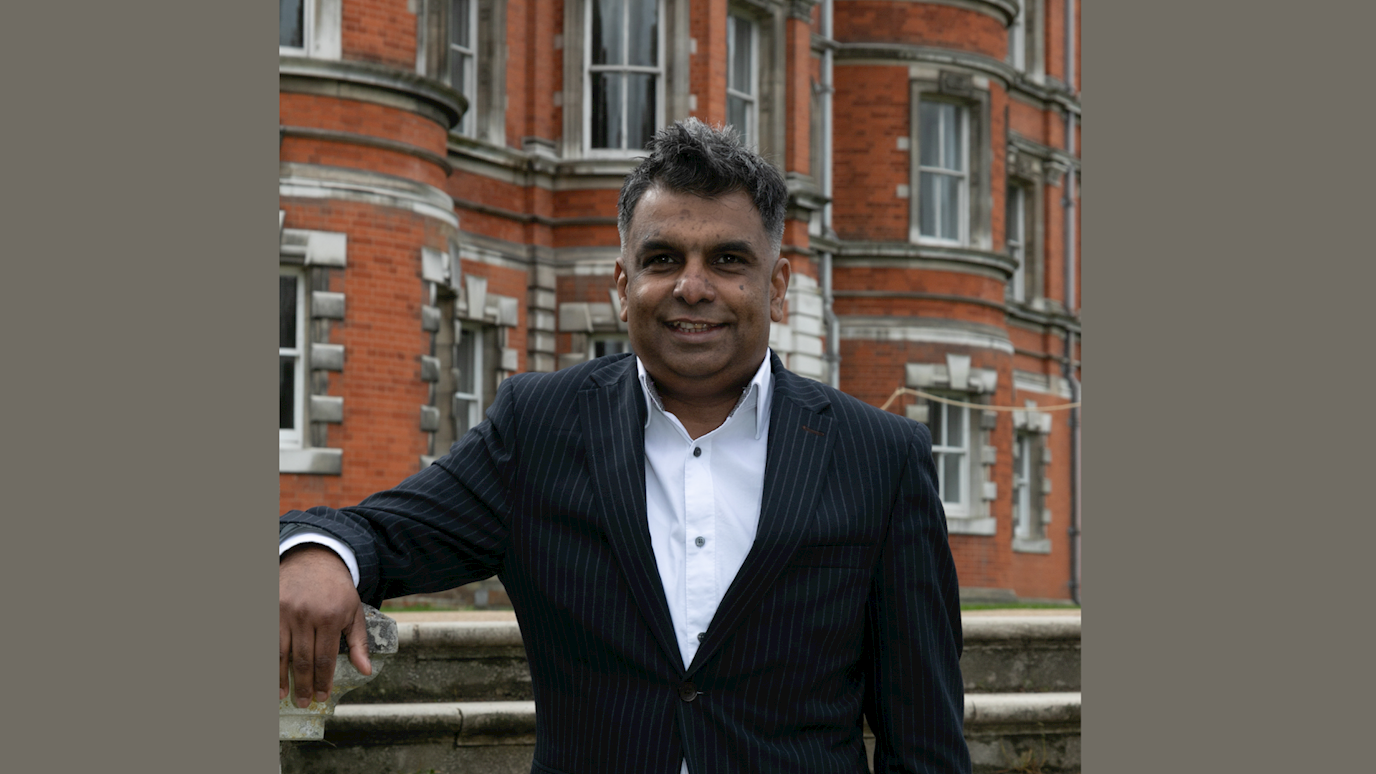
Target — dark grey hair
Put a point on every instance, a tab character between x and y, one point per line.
691	157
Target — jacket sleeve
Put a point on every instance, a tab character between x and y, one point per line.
914	696
443	527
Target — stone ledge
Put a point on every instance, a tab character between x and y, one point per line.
988	709
461	634
1010	628
474	722
511	719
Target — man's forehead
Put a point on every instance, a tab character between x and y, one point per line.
659	208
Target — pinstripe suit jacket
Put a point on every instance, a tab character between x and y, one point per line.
846	603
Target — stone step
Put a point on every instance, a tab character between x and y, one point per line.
1006	732
465	661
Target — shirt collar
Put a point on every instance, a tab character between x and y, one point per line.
761	387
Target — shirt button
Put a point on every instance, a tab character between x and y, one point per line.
687	692
702	636
697	451
700	542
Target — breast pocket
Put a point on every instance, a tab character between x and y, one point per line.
843	556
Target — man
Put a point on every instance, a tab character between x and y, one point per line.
717	565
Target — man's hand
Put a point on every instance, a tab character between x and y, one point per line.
317	601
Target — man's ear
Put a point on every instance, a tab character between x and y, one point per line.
619	276
778	288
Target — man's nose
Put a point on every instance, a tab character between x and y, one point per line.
694	286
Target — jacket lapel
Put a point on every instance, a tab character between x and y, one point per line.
613	417
796	458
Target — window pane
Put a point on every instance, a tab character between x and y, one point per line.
929	204
644	32
463	410
955	432
287	394
1013	222
951	157
607	32
640	110
607	110
459	30
458	73
738	115
950	477
949	223
939	205
928	133
292	23
287	297
739	74
465	362
935	422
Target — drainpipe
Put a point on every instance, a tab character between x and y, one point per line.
832	356
1070	306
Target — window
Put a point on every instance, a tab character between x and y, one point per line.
624	75
943	138
601	346
1025	525
1017	40
295	17
468	387
950	428
1015	230
463	24
742	78
291	351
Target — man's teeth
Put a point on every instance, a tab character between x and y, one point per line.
692	327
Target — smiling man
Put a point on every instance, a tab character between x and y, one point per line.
717	565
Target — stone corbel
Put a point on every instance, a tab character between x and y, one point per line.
296	724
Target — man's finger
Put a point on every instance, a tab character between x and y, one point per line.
283	659
357	638
303	664
326	649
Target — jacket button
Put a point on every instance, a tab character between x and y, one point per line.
687	692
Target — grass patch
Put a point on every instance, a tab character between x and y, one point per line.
1017	606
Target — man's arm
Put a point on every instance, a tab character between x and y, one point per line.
441	528
914	697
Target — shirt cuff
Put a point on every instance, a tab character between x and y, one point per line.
328	541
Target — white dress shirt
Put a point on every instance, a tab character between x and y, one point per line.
703	508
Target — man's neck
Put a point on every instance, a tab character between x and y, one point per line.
700	413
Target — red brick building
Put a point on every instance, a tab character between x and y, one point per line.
449	176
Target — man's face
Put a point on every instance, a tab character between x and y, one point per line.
699	283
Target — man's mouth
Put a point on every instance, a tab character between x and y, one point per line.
691	327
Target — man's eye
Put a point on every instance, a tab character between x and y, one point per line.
729	258
659	259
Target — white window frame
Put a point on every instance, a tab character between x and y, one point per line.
962	116
751	132
589	69
960	507
473	333
294	438
1017	39
1015	209
1025	523
307	29
469	87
